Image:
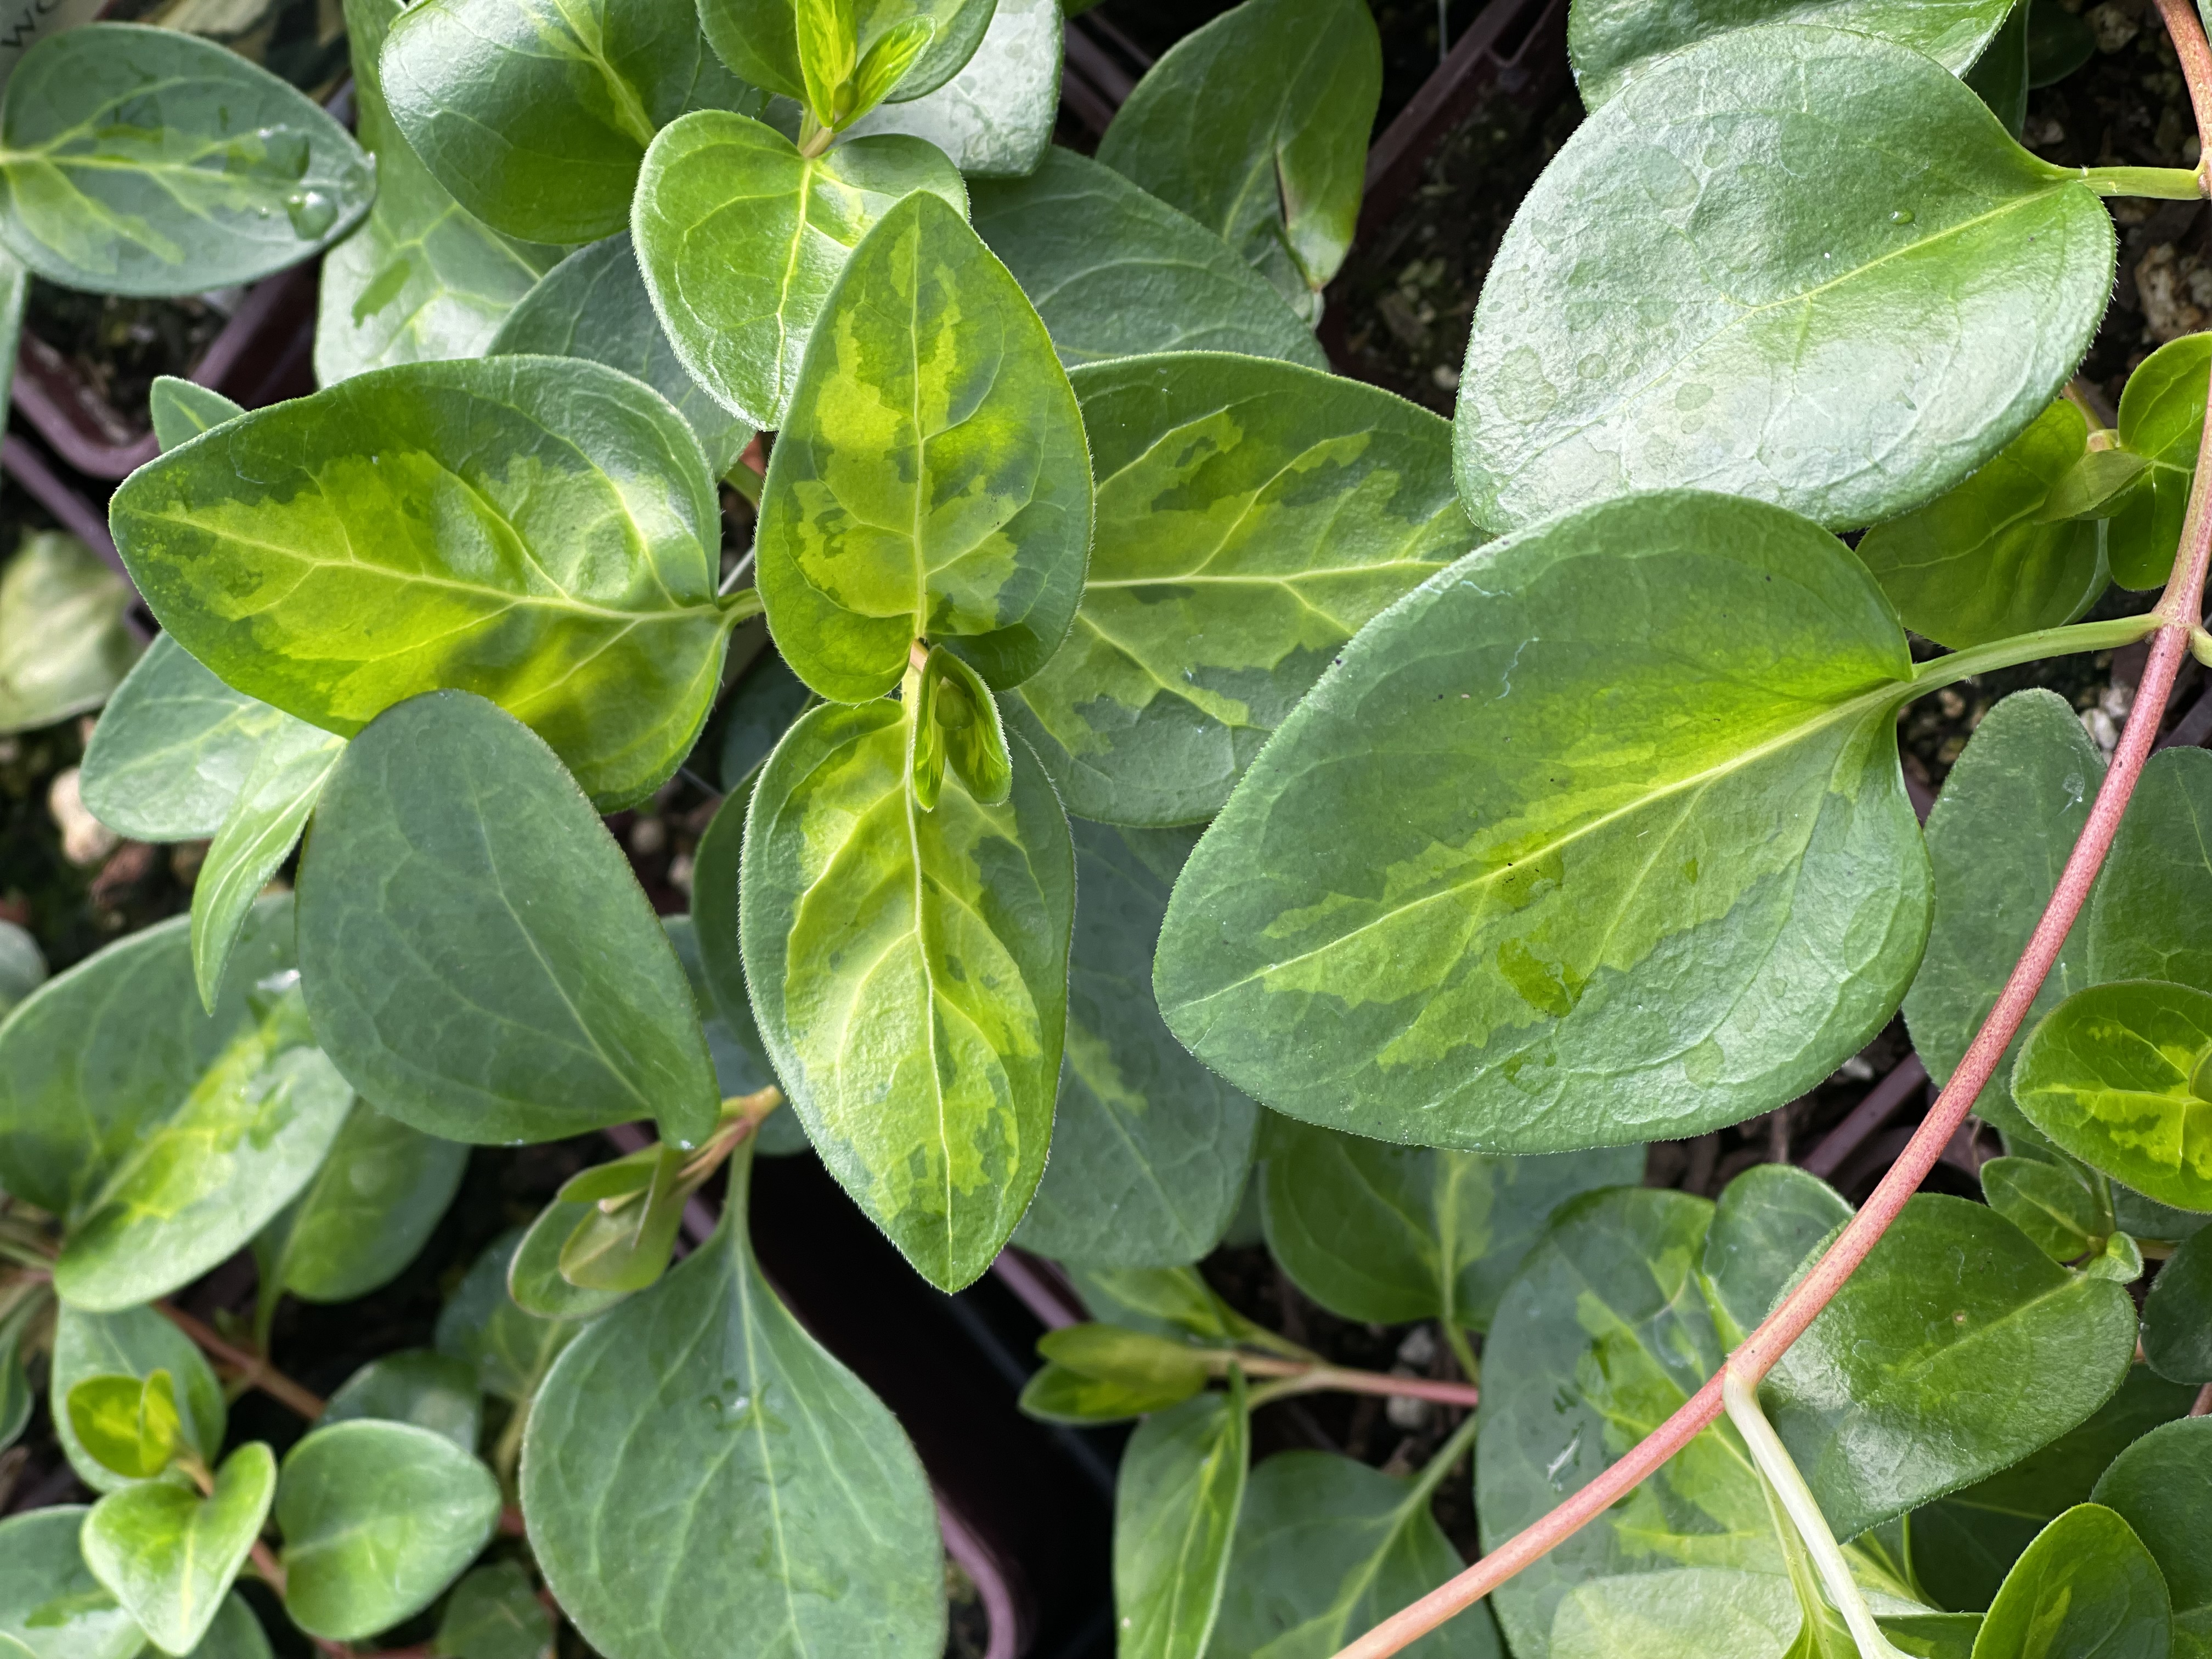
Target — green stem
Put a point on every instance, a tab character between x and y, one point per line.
2161	184
1433	1473
1463	1351
1935	675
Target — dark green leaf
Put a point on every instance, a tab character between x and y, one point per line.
510	1348
2058	43
740	1057
366	1212
1170	1301
2050	1204
758	40
1933	1635
2177	1315
424	278
256	838
741	238
2000	75
1769	1220
1256	125
2144	916
2161	1486
14	288
494	1613
136	1343
1115	271
1802	270
1387	1234
995	118
628	1248
378	1518
535	115
16	1397
1175	1514
203	1176
2097	485
1653	733
235	1634
420	1386
2162	420
2120	1076
98	1057
1150	1150
182	409
931	477
698	1465
143	161
594	304
541	529
951	927
760	710
2024	783
1252	516
2086	1585
484	974
168	1555
1982	560
64	645
49	1600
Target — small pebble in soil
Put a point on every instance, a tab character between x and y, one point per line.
85	840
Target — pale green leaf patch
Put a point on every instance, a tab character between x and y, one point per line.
1175	1514
65	644
169	1555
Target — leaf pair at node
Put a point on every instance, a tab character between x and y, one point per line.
954	725
839	59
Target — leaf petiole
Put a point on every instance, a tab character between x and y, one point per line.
2159	184
1940	671
1294	1377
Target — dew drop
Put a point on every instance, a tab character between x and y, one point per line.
286	150
311	212
1902	216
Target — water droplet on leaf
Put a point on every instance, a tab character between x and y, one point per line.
311	212
1902	216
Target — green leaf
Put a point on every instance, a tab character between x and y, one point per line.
1176	1506
490	975
2050	1204
2058	43
495	1614
1256	125
1991	557
2157	881
758	38
1114	271
1386	1235
2086	1585
424	278
741	238
2024	783
182	409
2120	1076
1150	1150
1326	1547
1060	1393
594	304
17	1400
534	1278
535	115
364	1214
2097	486
235	1634
958	726
1933	1635
896	51
2000	75
378	1518
1769	1219
2177	1315
698	1465
2161	1486
2121	1261
740	1057
759	711
65	644
22	966
951	929
1610	42
1800	269
1170	1301
1679	1615
1962	1545
542	535
143	161
99	1056
168	1555
995	118
174	748
256	838
1252	517
15	288
202	1180
931	477
483	1326
2162	420
420	1386
1595	781
129	1427
135	1343
628	1247
50	1603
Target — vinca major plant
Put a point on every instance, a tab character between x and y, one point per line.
1162	781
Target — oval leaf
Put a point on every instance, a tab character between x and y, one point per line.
2161	1486
509	1348
168	1555
2162	422
2177	1322
420	1386
759	38
995	118
366	1212
135	1343
50	1603
2144	915
1175	1512
2086	1585
65	644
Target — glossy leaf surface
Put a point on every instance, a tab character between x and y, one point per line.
1768	302
1257	126
1251	517
135	1343
2086	1585
2049	1204
2161	1486
378	1517
263	827
489	973
1593	782
993	119
1114	271
1175	1514
420	1386
949	930
1982	562
957	728
759	38
931	478
64	643
143	160
1150	1149
741	239
697	1436
533	530
2177	1322
49	1600
369	1209
2162	421
594	304
168	1555
2158	878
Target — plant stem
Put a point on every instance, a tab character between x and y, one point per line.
1947	670
2174	620
252	1369
1295	1377
266	1563
2160	184
1462	1350
2203	1408
2186	30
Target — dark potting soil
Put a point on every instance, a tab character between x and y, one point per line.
119	346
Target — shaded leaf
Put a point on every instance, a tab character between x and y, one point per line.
136	1342
1171	1301
256	838
2157	881
485	975
2086	1585
64	645
741	1065
50	1601
510	1348
534	1278
2161	1486
169	1555
1060	1393
995	117
368	1210
1175	1514
759	710
1252	517
2161	420
22	965
1594	782
420	1386
2177	1315
495	1614
1779	289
